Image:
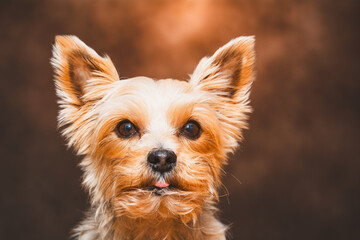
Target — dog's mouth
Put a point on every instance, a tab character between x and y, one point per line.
162	183
161	191
162	186
159	186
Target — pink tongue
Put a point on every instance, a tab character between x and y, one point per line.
161	184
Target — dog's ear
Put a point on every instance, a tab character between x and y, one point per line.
228	74
230	71
82	77
78	69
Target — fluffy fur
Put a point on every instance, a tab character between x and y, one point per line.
93	100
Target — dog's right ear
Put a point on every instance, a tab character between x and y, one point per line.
82	77
78	69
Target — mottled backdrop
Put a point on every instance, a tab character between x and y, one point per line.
299	165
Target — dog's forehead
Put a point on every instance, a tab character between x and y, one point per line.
148	100
154	95
161	91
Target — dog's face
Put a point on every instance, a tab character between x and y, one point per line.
153	147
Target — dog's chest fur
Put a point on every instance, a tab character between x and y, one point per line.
107	226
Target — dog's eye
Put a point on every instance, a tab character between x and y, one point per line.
191	129
126	129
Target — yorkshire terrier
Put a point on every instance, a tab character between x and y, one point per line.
153	149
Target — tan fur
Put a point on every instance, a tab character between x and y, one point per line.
93	100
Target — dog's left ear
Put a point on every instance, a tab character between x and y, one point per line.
230	71
228	74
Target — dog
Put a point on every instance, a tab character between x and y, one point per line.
153	150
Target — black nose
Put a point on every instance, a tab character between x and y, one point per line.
162	160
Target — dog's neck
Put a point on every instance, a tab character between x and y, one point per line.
103	224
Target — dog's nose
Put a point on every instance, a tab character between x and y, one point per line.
162	160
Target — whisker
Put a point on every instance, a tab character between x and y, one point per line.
235	178
227	193
226	173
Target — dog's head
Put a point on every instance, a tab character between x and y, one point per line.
153	147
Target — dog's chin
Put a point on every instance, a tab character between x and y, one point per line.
153	201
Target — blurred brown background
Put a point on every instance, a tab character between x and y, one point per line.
299	164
